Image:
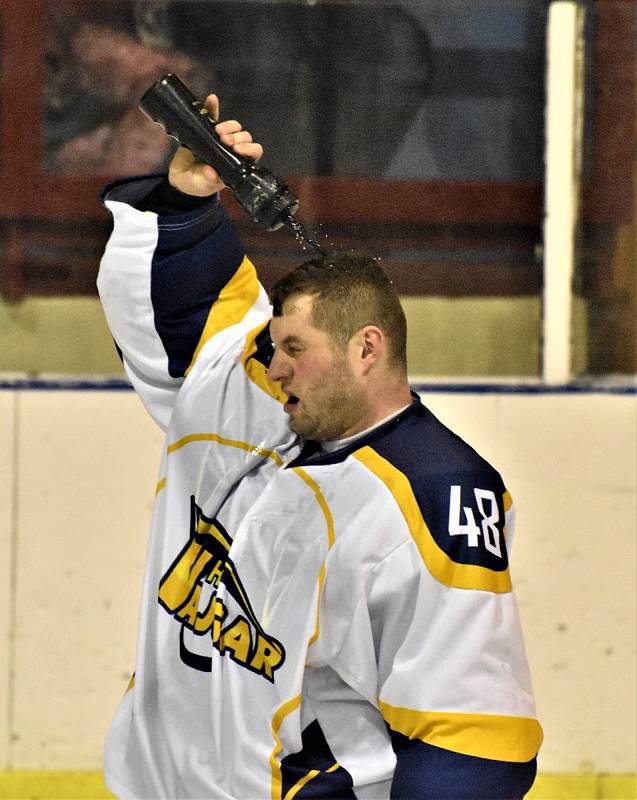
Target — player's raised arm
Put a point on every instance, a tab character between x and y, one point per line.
172	258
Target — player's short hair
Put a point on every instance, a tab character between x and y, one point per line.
350	290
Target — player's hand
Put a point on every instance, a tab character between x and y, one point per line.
191	176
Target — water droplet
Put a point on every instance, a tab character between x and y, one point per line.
302	235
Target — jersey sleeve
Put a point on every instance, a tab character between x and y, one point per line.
453	682
435	640
453	687
172	287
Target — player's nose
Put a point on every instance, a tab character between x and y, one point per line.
279	369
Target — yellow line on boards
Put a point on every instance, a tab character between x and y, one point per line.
582	786
53	785
85	785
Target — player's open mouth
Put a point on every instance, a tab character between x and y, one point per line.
292	401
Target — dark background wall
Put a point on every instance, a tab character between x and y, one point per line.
413	128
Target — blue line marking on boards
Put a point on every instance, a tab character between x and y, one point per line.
122	385
65	385
525	388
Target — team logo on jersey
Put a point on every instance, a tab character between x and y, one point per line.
188	592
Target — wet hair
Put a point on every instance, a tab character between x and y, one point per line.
350	290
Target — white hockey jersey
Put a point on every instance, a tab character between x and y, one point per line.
313	624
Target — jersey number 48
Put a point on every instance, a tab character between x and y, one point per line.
488	508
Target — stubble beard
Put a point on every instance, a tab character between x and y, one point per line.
336	404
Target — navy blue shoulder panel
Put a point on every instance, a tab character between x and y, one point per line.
459	494
431	773
455	488
196	255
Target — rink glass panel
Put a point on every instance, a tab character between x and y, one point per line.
413	129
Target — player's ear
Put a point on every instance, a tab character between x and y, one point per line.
369	347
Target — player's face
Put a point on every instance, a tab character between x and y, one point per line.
325	400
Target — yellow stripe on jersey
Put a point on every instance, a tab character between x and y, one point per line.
256	371
214	437
444	569
494	736
275	764
291	793
160	486
329	521
235	300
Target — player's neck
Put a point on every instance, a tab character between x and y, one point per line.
386	398
336	444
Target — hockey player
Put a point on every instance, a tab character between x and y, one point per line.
327	607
